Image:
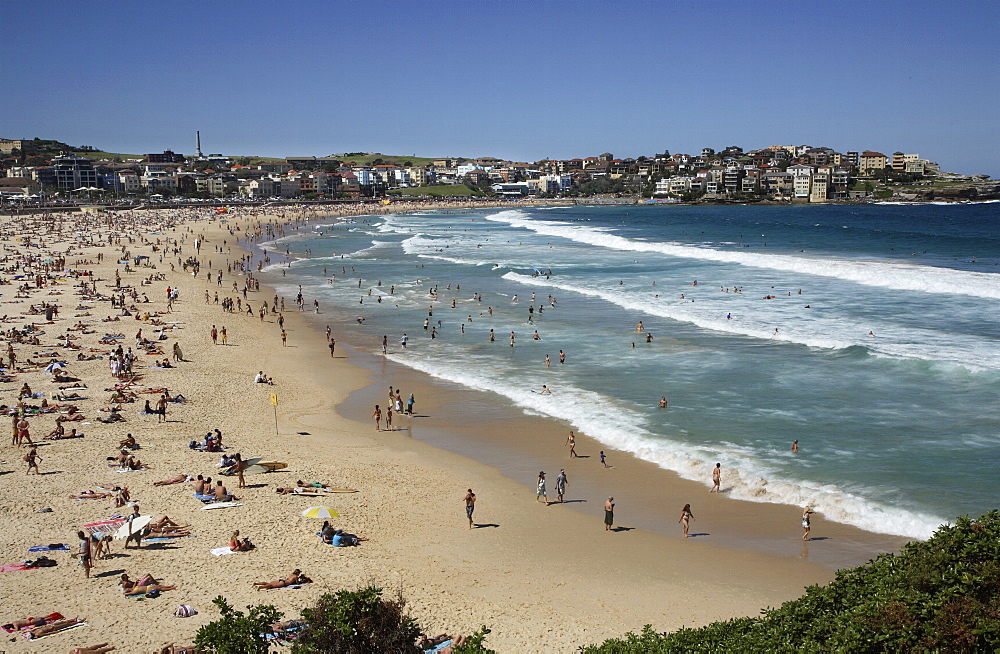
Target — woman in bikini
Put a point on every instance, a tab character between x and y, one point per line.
296	577
686	518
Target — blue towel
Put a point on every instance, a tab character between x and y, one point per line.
46	548
203	498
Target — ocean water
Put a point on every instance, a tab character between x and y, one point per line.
878	348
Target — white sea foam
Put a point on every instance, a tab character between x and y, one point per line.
888	274
975	354
617	426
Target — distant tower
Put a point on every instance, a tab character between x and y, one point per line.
197	149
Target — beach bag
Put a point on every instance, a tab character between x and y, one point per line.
153	593
185	611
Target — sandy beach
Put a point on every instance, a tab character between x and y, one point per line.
548	578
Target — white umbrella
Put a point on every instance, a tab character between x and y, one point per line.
55	365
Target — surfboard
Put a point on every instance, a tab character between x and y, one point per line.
256	470
221	505
273	465
231	470
129	528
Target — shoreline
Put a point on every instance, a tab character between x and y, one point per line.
495	437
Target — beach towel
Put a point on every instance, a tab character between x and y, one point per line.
160	539
10	567
203	498
48	548
440	646
27	634
221	551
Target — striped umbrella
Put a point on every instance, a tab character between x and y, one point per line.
320	512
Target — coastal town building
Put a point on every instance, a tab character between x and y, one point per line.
75	172
9	145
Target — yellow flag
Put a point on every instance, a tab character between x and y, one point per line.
274	399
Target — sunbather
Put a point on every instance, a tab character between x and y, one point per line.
142	590
93	649
173	480
89	495
295	578
54	627
237	545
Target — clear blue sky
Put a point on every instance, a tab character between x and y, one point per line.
513	79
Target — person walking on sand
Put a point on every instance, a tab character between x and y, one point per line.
716	478
409	405
686	518
571	443
224	336
215	335
284	338
32	459
609	513
328	332
470	506
377	415
540	490
333	347
85	553
806	522
561	482
161	409
388	417
604	460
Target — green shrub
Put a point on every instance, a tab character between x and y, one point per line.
358	622
236	633
940	595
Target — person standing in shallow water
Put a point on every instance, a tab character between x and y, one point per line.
806	522
716	478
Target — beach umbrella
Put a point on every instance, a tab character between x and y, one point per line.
320	512
55	365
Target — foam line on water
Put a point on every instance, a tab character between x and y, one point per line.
888	274
618	427
973	354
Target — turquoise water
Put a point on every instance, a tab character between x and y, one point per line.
885	367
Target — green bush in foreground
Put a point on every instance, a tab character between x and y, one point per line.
236	632
347	622
940	595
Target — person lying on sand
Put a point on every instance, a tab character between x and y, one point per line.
73	433
179	479
166	524
142	585
170	648
25	623
93	649
54	627
89	495
295	578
